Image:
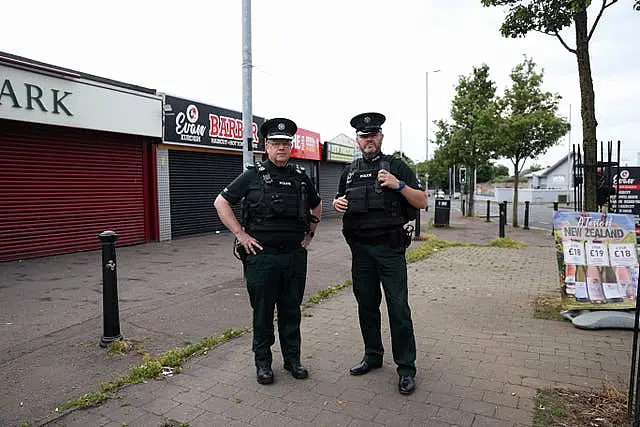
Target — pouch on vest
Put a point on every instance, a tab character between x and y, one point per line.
357	197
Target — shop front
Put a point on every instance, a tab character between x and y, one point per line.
201	153
337	154
76	158
306	151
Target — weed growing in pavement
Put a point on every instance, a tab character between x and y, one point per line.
507	242
119	347
548	307
151	368
431	244
606	407
323	294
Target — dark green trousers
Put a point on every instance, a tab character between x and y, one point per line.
370	265
276	280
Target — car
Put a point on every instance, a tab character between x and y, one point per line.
440	194
456	195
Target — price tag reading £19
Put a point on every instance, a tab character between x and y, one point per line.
597	254
573	252
623	254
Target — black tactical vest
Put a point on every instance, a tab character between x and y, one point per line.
372	206
282	205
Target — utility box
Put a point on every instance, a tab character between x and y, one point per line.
442	213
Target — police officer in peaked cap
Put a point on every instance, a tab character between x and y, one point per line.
378	195
280	213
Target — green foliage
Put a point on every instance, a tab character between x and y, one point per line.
550	17
151	368
323	294
438	169
529	123
404	157
507	242
430	246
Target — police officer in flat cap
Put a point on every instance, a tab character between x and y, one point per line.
379	195
280	213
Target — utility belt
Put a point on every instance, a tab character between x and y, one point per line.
396	237
284	248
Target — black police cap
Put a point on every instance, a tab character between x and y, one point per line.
367	123
278	128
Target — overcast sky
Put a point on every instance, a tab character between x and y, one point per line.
320	63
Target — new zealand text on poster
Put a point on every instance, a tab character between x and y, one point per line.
600	259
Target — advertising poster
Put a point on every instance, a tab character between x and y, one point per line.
598	259
627	198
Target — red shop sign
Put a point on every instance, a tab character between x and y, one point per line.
306	145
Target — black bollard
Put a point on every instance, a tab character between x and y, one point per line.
111	323
555	206
526	215
505	211
502	208
488	210
463	207
553	226
417	230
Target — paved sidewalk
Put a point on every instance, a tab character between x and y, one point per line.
481	355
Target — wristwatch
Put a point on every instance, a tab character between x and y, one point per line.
401	185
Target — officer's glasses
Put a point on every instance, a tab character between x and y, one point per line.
278	144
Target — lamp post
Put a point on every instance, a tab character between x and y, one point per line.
427	112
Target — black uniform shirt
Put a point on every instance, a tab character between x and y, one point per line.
248	185
397	167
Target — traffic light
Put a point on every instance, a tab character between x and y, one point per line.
463	175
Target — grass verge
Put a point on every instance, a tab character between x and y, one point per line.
606	407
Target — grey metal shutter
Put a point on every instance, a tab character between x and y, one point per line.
329	179
195	180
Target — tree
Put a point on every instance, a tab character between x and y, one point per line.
529	124
535	168
404	157
438	169
500	170
488	171
550	17
469	138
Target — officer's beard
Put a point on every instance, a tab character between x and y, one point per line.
370	155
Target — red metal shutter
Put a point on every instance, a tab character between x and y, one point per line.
60	187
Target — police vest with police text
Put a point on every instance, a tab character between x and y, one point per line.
282	205
372	206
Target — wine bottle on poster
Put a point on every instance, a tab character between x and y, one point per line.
581	284
594	285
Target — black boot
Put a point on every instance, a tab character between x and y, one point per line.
298	371
264	374
363	367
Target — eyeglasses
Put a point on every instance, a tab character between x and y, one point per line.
278	144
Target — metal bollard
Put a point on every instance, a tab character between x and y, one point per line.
111	320
553	226
503	218
488	210
526	215
463	207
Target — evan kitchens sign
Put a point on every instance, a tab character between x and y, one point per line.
193	123
33	97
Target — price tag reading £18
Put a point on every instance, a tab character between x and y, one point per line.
573	252
597	254
623	254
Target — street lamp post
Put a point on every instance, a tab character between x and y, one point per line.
427	113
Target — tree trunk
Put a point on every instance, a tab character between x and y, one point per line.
587	110
515	197
471	185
